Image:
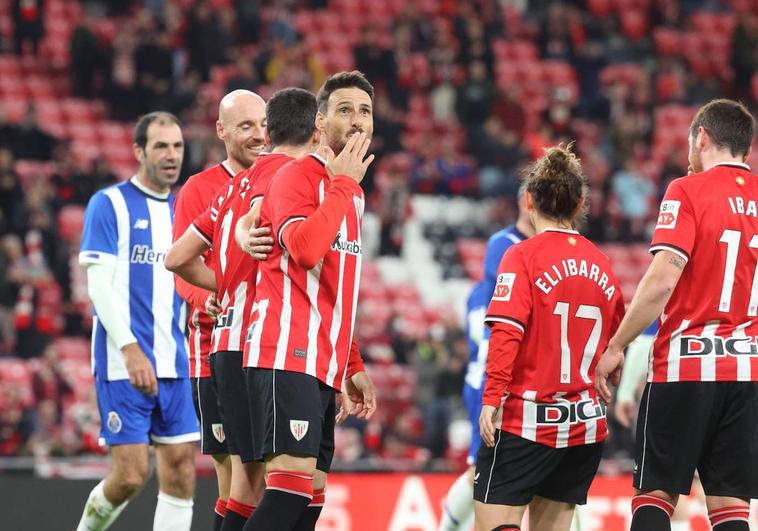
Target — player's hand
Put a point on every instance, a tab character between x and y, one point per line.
352	161
487	425
211	306
358	397
258	243
609	367
141	371
624	412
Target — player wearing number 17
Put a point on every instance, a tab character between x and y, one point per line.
555	305
699	410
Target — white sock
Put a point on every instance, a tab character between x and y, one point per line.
680	525
99	513
172	514
459	505
576	520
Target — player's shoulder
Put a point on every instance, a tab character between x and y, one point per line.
212	176
307	169
506	236
105	196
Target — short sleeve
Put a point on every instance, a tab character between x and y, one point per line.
675	230
290	198
204	224
512	299
100	234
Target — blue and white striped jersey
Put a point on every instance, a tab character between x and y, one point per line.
127	228
479	299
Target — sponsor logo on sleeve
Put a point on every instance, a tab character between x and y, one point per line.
298	428
668	214
504	287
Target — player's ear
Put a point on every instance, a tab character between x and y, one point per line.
316	137
139	152
320	121
702	138
266	137
220	130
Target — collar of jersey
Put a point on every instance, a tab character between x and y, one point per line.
737	164
147	191
318	158
566	231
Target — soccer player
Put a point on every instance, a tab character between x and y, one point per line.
458	512
139	351
699	410
300	347
290	119
240	125
555	305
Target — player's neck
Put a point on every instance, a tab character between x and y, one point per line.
711	159
149	187
542	224
525	227
235	165
296	152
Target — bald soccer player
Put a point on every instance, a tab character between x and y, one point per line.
240	125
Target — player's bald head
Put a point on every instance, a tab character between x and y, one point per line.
237	102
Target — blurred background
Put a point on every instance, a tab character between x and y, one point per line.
468	92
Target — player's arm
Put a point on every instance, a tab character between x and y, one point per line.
184	259
308	238
99	254
188	206
504	344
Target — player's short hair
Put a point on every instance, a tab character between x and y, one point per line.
291	117
557	184
728	123
144	121
340	80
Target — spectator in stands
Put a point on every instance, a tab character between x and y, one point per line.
49	382
295	66
10	133
16	421
475	97
11	274
744	55
202	36
635	194
86	58
11	193
498	152
248	22
375	60
28	24
244	77
33	142
510	111
394	209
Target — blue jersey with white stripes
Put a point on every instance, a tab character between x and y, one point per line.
479	299
131	230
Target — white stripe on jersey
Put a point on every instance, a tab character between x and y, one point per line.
743	362
674	352
529	421
116	369
564	428
286	317
236	342
337	314
312	281
255	339
708	363
164	344
196	342
590	436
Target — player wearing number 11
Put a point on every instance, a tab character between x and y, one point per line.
699	410
555	305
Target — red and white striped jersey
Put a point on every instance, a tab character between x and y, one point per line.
709	326
193	198
235	270
302	319
559	293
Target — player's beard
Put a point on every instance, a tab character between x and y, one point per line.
246	156
338	141
159	178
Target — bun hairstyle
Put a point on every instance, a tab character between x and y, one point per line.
557	185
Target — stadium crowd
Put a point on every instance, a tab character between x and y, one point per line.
467	93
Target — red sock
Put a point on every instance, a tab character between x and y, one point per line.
646	500
729	514
291	482
239	508
220	508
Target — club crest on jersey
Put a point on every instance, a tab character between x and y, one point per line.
114	422
504	287
218	432
668	214
343	246
299	428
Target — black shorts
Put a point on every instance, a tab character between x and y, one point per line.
516	470
212	437
711	427
291	413
229	378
